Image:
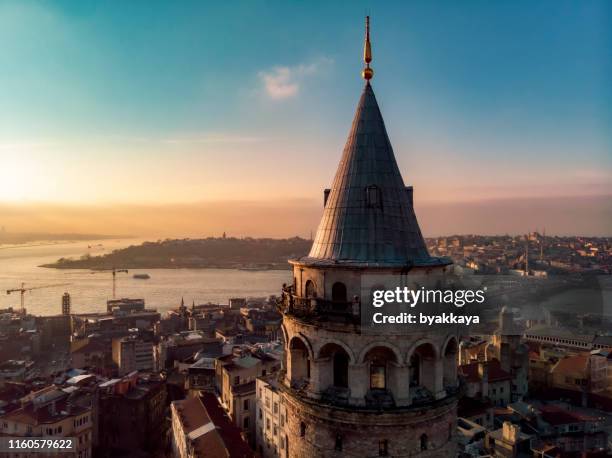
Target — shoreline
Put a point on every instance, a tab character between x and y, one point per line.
174	267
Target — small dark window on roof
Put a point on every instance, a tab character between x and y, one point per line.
302	429
339	292
373	196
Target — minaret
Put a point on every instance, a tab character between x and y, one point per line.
348	390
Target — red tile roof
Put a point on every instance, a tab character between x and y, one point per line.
558	416
193	415
572	364
93	346
30	415
496	373
230	433
470	407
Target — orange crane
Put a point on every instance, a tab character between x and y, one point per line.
23	290
114	272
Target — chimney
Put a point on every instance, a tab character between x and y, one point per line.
510	432
325	196
483	373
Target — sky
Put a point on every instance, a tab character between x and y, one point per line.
122	115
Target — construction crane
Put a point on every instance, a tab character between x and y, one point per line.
114	272
23	290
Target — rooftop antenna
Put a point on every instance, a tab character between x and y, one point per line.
367	73
542	245
527	257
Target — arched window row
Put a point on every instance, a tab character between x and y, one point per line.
414	357
427	373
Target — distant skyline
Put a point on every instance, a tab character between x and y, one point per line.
148	105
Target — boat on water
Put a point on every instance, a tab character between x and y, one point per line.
254	268
141	276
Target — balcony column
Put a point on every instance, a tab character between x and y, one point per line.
438	387
320	376
400	384
450	370
359	382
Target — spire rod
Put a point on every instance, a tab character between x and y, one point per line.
367	72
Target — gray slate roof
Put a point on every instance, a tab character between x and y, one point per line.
376	227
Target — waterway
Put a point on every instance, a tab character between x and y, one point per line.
90	291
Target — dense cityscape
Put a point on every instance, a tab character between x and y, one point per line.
533	254
134	382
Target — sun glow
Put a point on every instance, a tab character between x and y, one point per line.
20	178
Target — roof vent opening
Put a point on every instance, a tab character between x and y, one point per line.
325	196
373	196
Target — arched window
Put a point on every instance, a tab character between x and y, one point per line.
338	292
378	375
423	370
383	448
339	361
423	441
338	446
378	358
310	291
302	429
298	362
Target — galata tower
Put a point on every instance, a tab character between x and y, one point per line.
351	391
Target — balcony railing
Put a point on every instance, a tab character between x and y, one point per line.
420	395
379	399
336	396
316	308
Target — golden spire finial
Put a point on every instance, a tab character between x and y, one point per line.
367	72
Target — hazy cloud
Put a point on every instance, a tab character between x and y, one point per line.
584	215
213	138
26	145
282	82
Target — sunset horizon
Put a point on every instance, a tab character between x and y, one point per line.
208	117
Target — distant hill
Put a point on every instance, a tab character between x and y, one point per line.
246	253
15	238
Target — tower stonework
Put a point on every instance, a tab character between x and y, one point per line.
349	391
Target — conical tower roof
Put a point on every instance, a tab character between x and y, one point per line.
368	217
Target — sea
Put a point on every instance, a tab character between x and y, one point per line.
89	291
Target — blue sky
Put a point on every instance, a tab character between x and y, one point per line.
184	101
